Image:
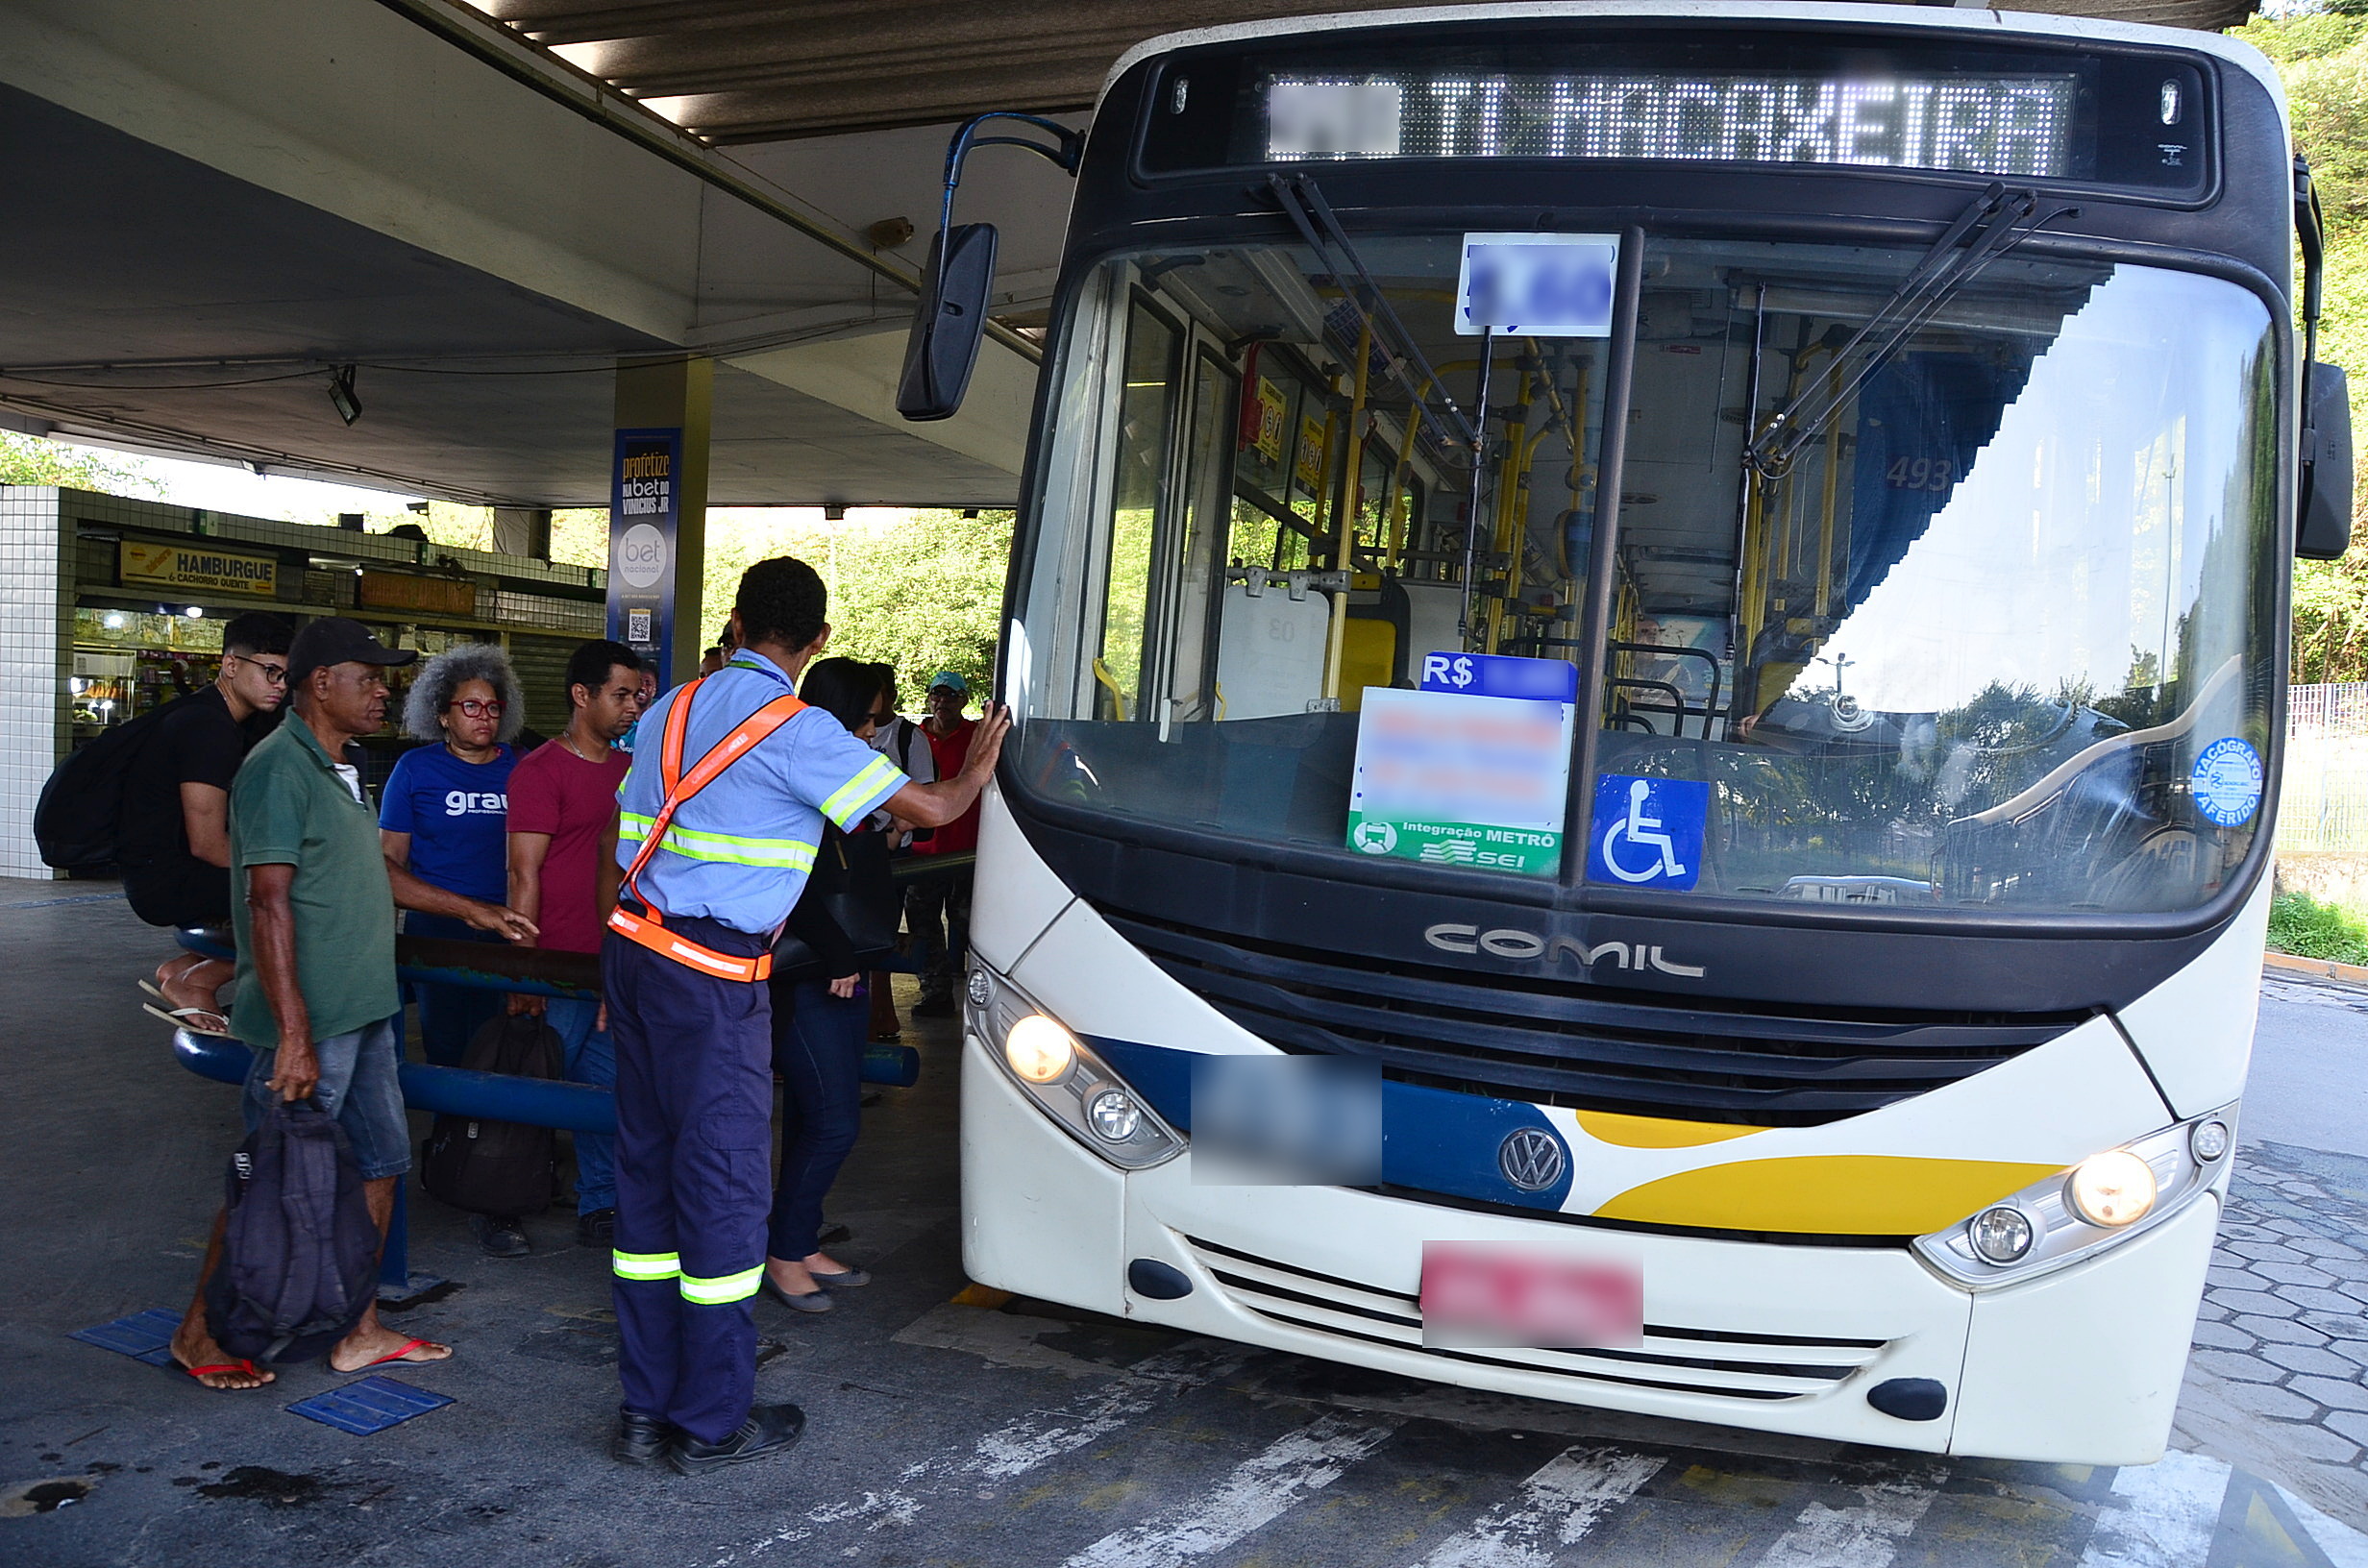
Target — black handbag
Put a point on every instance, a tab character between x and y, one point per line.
850	876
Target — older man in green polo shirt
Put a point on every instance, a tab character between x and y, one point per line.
316	954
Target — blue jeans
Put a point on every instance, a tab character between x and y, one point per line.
450	1015
591	1059
818	1050
357	1087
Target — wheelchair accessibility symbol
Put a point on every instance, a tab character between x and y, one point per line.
1647	832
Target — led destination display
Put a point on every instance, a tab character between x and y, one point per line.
2009	125
1698	96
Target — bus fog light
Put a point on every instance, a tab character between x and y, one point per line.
1039	1050
982	989
1114	1115
2209	1142
2111	1189
2002	1235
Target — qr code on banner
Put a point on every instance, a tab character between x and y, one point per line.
637	625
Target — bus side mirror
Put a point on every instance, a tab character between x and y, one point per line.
2323	531
948	322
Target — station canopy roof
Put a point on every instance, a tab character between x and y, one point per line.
759	70
482	208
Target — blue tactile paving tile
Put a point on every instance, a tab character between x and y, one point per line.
144	1337
372	1404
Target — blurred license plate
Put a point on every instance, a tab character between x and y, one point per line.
1490	1294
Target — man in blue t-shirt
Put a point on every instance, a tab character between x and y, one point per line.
442	817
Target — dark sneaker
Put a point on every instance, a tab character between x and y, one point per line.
770	1429
500	1236
597	1229
934	1007
642	1439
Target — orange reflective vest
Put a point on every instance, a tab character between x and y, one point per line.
649	928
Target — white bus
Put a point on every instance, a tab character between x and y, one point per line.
1648	649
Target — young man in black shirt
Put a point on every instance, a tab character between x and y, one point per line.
175	840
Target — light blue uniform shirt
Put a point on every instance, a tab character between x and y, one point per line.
739	850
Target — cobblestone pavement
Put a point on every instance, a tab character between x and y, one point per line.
2282	1334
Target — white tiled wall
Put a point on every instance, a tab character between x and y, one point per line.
34	635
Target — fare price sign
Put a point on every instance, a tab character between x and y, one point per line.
1472	769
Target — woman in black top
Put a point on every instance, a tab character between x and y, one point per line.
821	1014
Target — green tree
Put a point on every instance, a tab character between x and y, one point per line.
2322	59
32	459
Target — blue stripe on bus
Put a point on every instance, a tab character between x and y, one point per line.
1432	1140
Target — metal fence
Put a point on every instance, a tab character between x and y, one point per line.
2324	804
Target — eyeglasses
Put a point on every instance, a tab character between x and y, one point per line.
476	708
273	675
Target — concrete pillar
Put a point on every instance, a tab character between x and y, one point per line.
523	531
674	394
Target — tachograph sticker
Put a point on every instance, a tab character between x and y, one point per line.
2226	782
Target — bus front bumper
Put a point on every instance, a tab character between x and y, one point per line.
2079	1367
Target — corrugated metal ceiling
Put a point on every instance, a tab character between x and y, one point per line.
763	70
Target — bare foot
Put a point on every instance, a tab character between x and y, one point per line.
193	985
373	1342
194	1347
790	1277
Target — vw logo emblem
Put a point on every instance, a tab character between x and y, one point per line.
1531	1159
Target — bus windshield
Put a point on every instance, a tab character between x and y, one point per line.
1990	632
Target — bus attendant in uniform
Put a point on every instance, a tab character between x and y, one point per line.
712	867
441	816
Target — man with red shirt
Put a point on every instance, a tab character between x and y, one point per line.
937	907
563	868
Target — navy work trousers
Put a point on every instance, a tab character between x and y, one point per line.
818	1050
694	1144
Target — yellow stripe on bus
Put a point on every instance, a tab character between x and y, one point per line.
1826	1194
1658	1133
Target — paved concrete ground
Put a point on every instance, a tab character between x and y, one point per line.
1024	1434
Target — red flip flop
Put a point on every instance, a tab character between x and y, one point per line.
408	1346
202	1372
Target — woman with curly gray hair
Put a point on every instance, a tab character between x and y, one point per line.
443	815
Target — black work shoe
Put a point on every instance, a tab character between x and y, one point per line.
642	1439
768	1429
597	1229
500	1235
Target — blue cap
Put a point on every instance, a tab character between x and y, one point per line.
947	677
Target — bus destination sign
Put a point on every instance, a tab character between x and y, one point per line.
1991	124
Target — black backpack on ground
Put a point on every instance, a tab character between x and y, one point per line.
300	1254
77	822
498	1168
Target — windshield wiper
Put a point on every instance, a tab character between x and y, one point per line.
1994	223
1302	200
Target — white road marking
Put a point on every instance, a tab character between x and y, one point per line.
1254	1495
1017	1447
1865	1536
2344	1546
1555	1508
2164	1515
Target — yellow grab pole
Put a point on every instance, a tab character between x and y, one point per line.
1345	512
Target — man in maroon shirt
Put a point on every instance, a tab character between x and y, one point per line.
937	907
563	868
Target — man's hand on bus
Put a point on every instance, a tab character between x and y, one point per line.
935	805
986	744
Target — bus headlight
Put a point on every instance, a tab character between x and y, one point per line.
1065	1077
2001	1235
2111	1189
1039	1050
2099	1203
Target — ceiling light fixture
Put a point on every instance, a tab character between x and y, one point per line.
341	393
